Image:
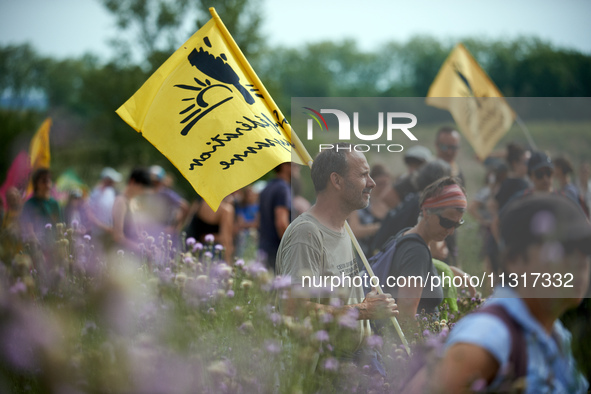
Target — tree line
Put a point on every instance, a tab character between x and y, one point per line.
82	94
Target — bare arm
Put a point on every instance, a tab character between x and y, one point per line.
119	212
281	220
461	366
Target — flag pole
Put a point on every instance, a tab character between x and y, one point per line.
297	144
525	130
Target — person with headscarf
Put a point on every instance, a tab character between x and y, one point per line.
442	205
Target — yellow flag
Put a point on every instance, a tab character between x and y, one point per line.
39	147
208	113
483	115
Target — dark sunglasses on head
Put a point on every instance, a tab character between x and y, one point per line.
542	172
447	223
445	148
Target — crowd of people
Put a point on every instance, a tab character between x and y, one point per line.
527	203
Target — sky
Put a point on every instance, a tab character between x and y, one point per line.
70	28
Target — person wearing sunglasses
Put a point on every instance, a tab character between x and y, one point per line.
541	171
442	205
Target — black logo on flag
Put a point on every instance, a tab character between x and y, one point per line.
218	69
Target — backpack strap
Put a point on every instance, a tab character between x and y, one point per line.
518	354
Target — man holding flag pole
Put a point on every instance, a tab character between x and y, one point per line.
207	111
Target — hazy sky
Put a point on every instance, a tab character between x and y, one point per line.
63	28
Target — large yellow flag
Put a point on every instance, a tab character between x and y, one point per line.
482	115
208	113
39	147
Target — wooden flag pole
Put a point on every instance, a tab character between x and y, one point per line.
298	146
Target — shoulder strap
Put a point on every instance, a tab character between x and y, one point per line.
518	355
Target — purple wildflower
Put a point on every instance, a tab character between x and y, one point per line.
187	259
209	238
18	287
219	247
322	336
208	255
331	364
426	333
75	224
48	226
239	263
275	318
87	237
375	341
230	293
197	246
191	241
327	318
272	346
256	269
349	319
281	282
335	302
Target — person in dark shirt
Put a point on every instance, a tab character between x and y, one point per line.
41	209
517	159
414	158
275	212
406	213
442	206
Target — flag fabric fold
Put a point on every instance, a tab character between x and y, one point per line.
476	104
208	113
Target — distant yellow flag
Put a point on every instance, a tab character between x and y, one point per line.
39	146
208	113
483	116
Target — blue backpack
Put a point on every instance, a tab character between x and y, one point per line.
381	263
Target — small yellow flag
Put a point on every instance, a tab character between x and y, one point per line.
39	147
207	112
477	106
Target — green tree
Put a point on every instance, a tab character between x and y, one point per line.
158	27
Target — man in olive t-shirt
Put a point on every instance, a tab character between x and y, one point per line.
316	244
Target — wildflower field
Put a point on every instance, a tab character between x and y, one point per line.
176	321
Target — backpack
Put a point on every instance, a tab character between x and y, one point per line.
381	263
418	376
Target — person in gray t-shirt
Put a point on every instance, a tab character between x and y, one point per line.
316	246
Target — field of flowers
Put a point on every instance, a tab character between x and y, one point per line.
176	321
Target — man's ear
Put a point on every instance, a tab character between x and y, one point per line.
336	180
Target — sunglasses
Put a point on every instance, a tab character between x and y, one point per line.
447	223
543	172
445	148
